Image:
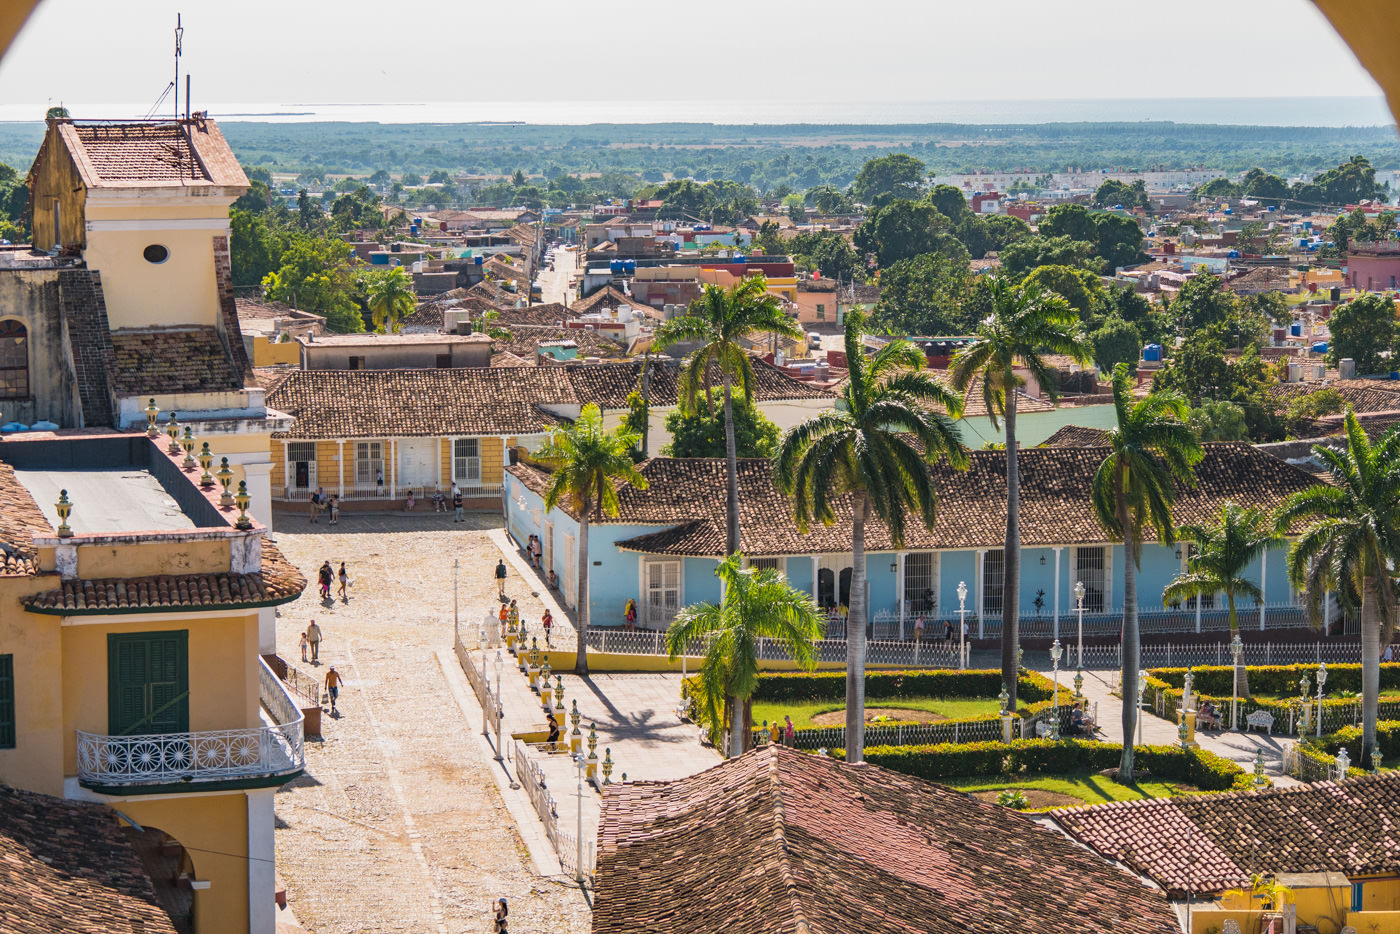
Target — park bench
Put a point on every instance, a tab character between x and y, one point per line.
1042	730
1261	719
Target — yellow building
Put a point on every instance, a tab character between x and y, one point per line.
130	672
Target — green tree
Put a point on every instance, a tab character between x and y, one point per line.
717	320
1349	183
1074	221
1364	330
874	448
254	249
1004	230
1082	289
828	200
1218	421
1113	193
1118	240
926	295
315	275
700	433
589	465
1303	409
1224	551
1023	326
1264	187
950	202
1133	492
1218	188
1201	300
754	604
898	174
904	229
833	256
390	296
1027	253
1350	544
1116	341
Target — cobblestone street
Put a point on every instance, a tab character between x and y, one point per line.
397	824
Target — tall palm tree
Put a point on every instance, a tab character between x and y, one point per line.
874	447
1152	449
1026	324
1351	545
718	319
588	462
754	604
390	296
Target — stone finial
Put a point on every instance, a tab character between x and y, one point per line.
172	428
65	508
558	692
225	476
187	442
242	499
206	460
607	766
152	411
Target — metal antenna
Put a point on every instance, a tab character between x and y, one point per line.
179	35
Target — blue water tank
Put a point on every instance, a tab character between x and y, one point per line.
1233	254
615	266
1152	352
1307	225
741	258
379	259
1295	329
629	266
481	261
1319	347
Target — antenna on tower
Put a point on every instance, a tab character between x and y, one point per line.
179	35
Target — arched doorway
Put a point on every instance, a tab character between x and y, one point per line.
14	360
171	868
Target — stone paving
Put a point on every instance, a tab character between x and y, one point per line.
398	824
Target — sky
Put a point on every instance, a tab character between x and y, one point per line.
93	55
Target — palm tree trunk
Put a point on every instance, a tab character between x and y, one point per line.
731	470
581	614
738	726
1132	652
1011	561
1370	665
855	637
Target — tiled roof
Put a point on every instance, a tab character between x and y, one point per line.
607	296
525	341
783	841
278	582
21	520
171	360
1363	395
1262	279
1055	502
607	389
1076	436
67	866
159	154
504	358
549	315
1210	843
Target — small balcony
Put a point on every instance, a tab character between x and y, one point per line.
153	763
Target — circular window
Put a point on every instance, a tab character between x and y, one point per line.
155	253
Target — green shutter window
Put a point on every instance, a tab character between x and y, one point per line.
7	702
148	688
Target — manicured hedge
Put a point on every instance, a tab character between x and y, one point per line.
801	687
1387	740
1198	767
1276	680
1336	710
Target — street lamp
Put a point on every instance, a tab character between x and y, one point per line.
1055	652
481	642
1079	597
962	624
578	869
500	711
456	564
1321	680
1237	652
1304	708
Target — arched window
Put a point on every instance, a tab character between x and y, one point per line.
14	360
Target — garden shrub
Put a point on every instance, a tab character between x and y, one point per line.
801	687
1387	741
1275	680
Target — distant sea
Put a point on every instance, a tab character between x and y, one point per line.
1250	111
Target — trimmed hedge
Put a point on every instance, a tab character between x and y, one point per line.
1387	741
801	687
1198	767
1336	710
1277	680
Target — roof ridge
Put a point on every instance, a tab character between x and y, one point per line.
785	870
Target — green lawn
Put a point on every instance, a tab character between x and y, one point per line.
1087	788
952	708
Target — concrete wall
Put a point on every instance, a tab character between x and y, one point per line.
31	297
392	356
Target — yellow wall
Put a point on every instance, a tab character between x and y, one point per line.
223	677
273	353
57	180
493	460
1379	894
136	560
180	291
215	829
1367	921
36	762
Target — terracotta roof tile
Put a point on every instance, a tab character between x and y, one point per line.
1075	436
1210	843
607	297
782	841
21	520
67	866
141	155
1363	395
168	360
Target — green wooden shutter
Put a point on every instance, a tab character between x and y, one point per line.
7	702
148	683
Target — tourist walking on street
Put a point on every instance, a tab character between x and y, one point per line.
456	505
500	915
504	615
333	681
344	583
326	576
548	623
303	646
513	616
789	731
501	577
537	552
313	637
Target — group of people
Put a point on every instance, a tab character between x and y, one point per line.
441	501
322	502
948	630
510	619
1080	721
534	550
327	577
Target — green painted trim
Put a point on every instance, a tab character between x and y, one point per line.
130	610
167	788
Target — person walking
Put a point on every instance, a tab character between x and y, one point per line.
344	583
537	552
325	576
313	638
513	616
333	682
304	645
501	911
457	504
335	509
504	615
501	578
548	622
789	731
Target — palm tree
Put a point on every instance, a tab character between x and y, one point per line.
1223	552
390	297
876	447
1027	322
1152	449
754	604
1351	546
718	319
587	462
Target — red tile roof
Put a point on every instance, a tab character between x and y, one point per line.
21	520
172	360
155	154
783	841
67	866
1210	843
1076	436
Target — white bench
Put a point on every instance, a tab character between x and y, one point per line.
1261	719
1042	730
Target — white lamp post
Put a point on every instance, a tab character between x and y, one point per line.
481	640
1237	652
1055	652
456	564
1321	680
962	624
578	870
1343	763
500	709
1079	665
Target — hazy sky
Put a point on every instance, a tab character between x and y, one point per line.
103	52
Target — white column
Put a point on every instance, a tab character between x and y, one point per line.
1058	549
899	589
977	590
815	561
1263	585
1327	613
393	470
340	474
267	630
262	853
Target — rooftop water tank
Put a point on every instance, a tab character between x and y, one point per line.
1152	352
1319	347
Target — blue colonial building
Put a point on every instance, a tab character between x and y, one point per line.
662	548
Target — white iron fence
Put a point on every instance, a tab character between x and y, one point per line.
532	779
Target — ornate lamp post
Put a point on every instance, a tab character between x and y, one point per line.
225	476
242	499
1055	652
499	710
1343	763
1236	652
1079	599
1304	708
152	410
1259	780
1004	698
206	460
962	624
580	764
1321	680
481	644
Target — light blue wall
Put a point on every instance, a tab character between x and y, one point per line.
957	566
799	574
614	574
701	585
1034	427
883	595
